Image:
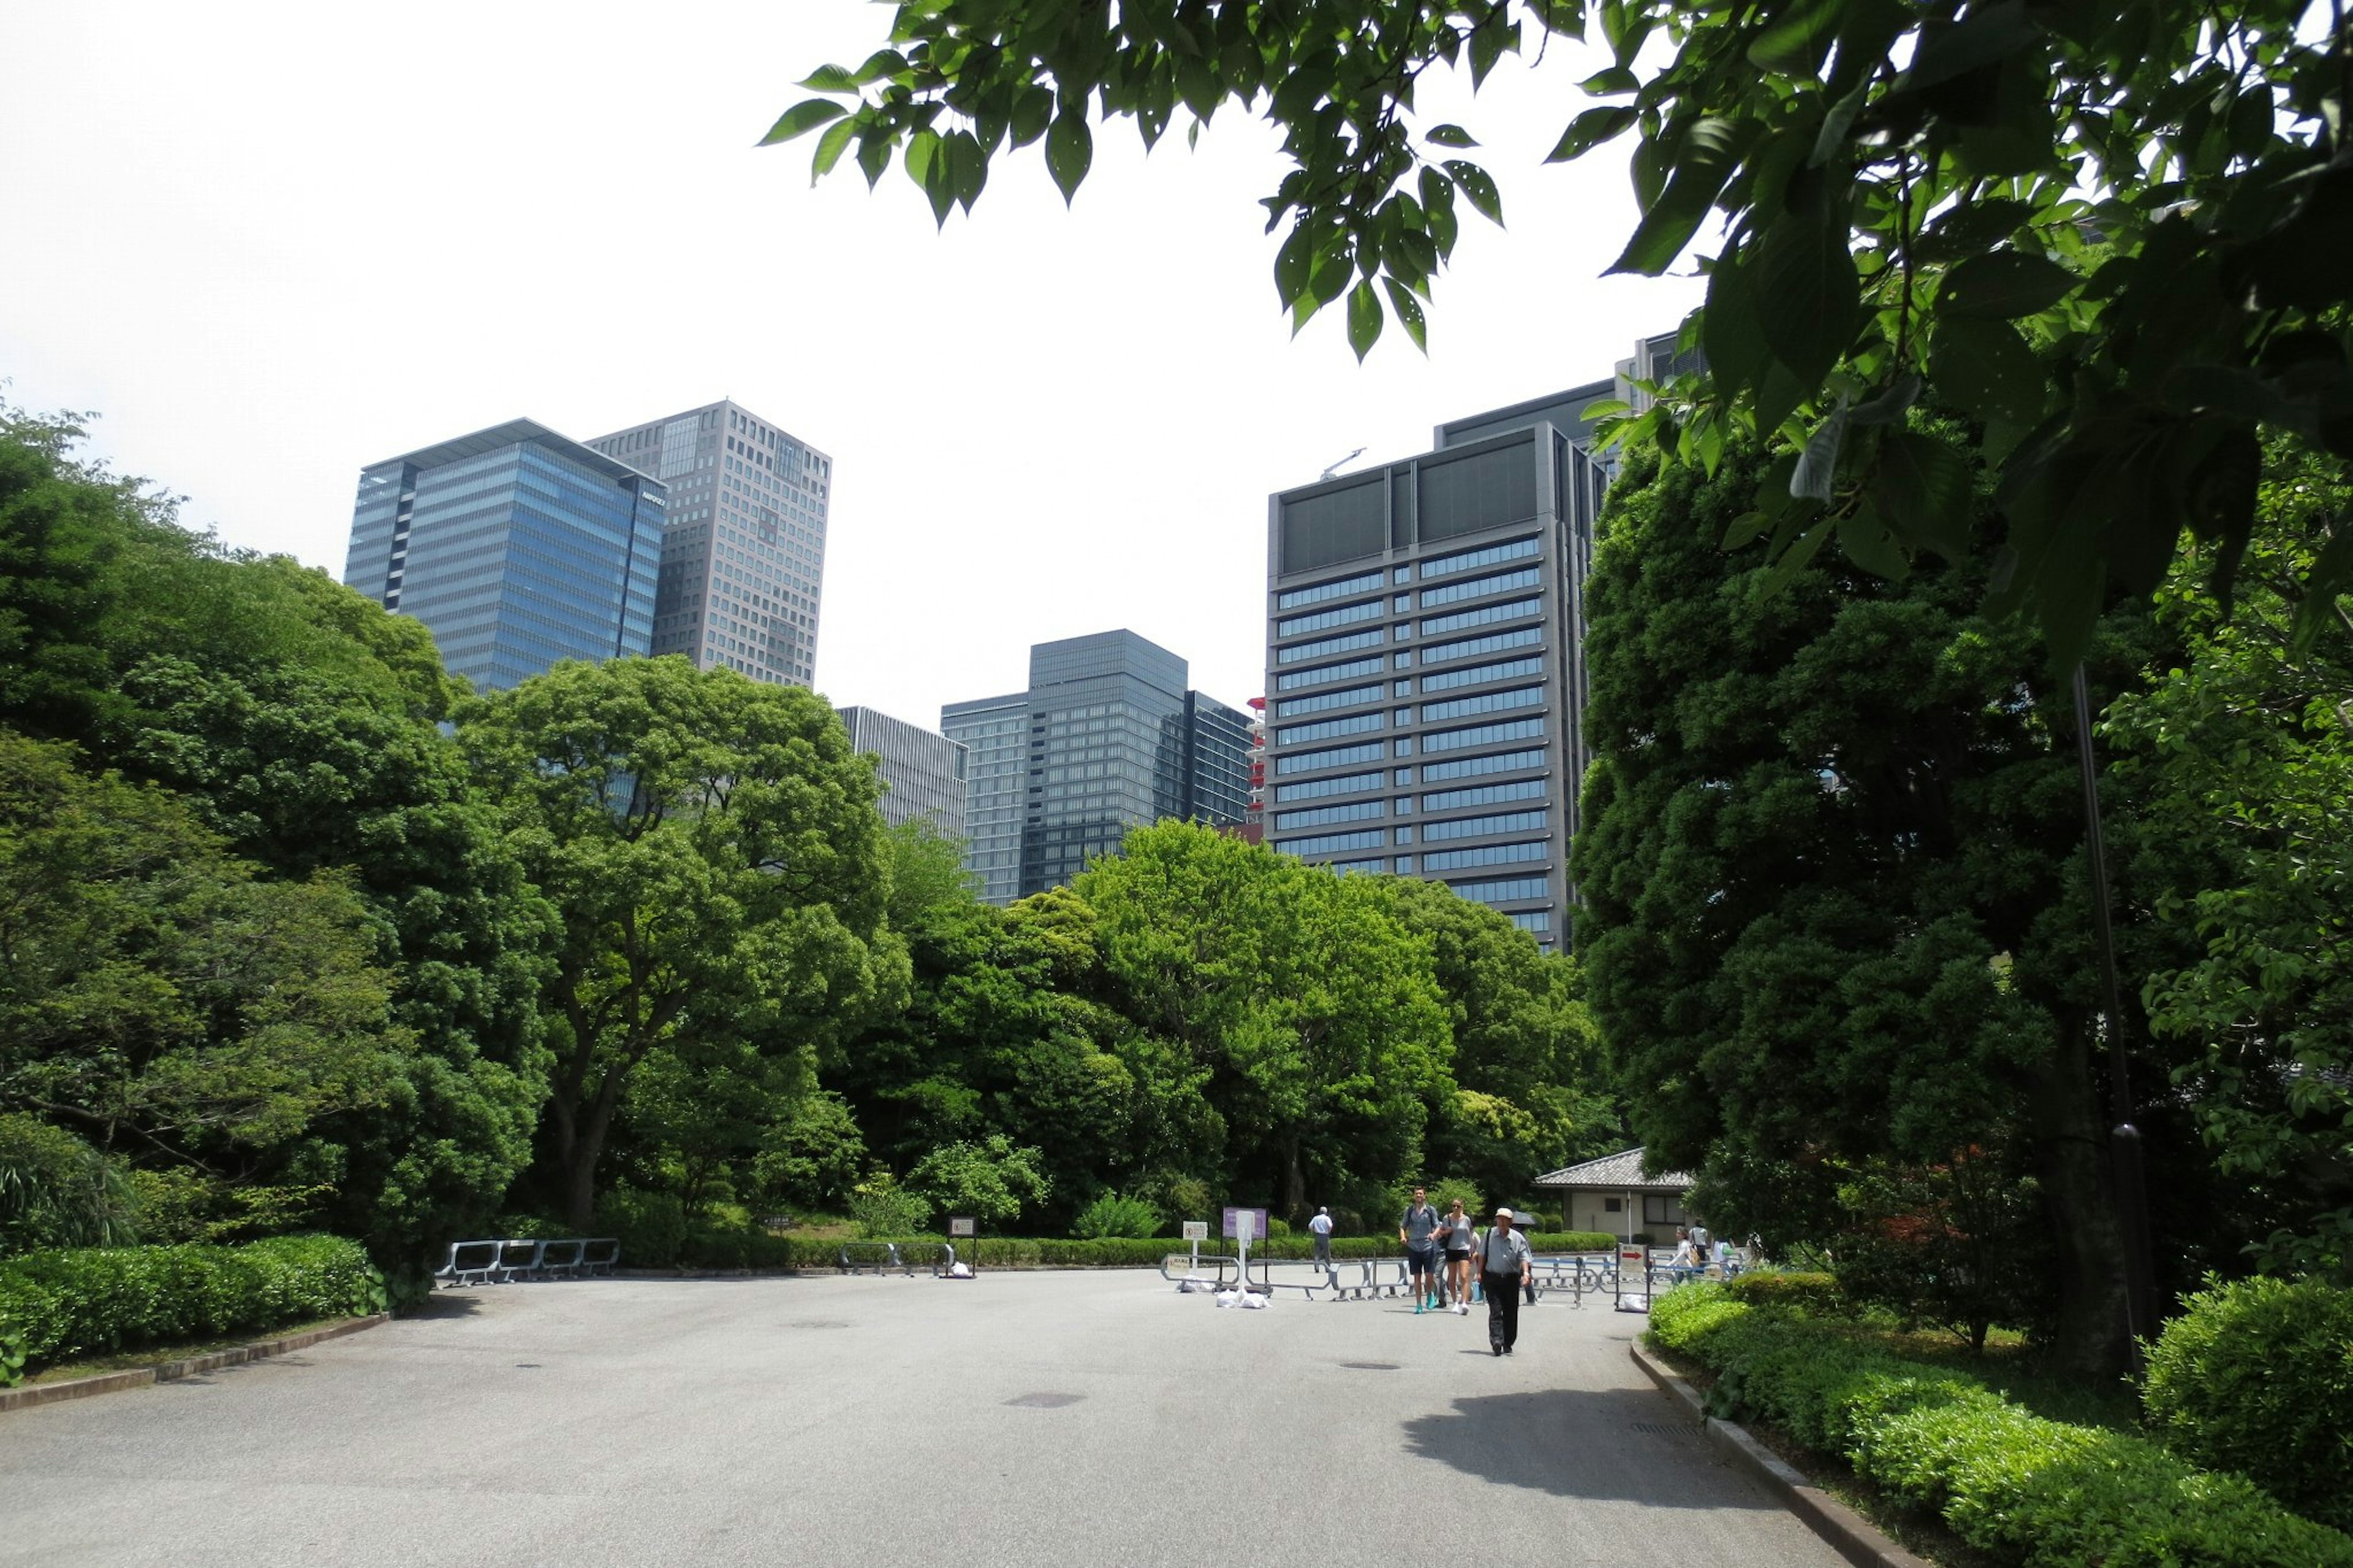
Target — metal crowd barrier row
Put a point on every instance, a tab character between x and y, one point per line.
505	1260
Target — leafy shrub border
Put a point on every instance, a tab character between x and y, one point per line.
748	1249
58	1304
2021	1487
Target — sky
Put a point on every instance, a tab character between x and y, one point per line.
269	244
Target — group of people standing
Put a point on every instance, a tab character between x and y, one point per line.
1441	1250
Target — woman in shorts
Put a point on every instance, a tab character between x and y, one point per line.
1454	1232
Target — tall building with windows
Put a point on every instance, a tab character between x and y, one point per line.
743	567
1108	736
517	547
922	773
1426	680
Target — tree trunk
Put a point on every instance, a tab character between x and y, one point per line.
1295	1183
2070	1147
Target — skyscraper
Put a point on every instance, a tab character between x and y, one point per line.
922	773
1426	680
743	567
516	546
1107	736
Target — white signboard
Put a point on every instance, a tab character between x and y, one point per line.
1196	1230
959	1224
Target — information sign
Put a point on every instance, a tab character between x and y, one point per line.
960	1225
1243	1224
1196	1230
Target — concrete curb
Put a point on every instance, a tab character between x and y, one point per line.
186	1367
1856	1538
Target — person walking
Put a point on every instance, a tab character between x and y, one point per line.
1418	1228
1321	1229
1458	1240
1506	1269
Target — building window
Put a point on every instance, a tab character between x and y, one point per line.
1662	1208
1612	1205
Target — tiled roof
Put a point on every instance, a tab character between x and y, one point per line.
1622	1172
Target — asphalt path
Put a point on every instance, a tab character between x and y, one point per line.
1029	1418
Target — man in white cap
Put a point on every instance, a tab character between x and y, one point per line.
1506	1269
1321	1225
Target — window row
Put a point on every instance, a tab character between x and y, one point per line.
1455	739
1509	890
1346	614
1348	644
1345	783
1486	855
1485	794
1484	702
1325	702
1480	826
1318	817
1336	757
1480	587
1329	842
1355	724
1479	674
1323	591
1487	615
1329	672
1472	560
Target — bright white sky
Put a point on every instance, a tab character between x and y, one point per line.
271	243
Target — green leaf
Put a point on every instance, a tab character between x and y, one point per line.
801	118
967	168
1610	81
1794	559
1295	262
1449	136
1033	110
1730	332
1409	312
1891	405
1365	317
1982	366
1746	529
1922	491
1965	230
830	148
1591	129
1798	41
1870	545
2004	284
1473	182
830	78
881	63
1816	475
1711	150
2331	575
1808	292
873	154
1070	148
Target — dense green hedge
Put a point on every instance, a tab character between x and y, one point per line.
2022	1489
92	1300
755	1249
2257	1377
1815	1293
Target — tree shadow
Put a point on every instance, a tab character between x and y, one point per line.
1623	1443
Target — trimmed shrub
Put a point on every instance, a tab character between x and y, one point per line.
1815	1293
2257	1377
2022	1488
88	1301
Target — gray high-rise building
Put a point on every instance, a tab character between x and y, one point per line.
922	773
517	547
1107	737
743	566
1425	680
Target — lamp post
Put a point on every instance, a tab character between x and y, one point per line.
2124	1152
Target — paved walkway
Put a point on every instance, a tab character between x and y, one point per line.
1062	1419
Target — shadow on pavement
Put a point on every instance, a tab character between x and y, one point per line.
1615	1442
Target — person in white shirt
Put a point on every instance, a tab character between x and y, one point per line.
1506	1268
1321	1228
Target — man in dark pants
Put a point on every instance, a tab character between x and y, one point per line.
1506	1269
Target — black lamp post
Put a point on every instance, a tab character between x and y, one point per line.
2124	1138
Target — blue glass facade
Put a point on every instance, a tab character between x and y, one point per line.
516	546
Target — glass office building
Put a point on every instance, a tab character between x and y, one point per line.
516	546
1425	680
922	773
1107	736
743	567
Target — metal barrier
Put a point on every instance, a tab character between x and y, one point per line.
880	1257
505	1260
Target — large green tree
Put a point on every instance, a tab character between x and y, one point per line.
1310	1007
2239	755
2112	233
1833	874
299	720
714	853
